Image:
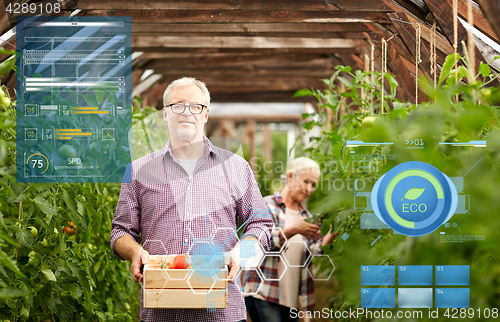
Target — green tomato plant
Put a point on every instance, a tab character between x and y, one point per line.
46	274
460	108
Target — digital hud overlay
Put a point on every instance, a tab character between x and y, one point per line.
74	98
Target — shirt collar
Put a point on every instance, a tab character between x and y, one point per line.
280	203
209	148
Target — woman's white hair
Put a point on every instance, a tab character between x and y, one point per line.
300	165
183	82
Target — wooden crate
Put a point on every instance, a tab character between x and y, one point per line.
182	288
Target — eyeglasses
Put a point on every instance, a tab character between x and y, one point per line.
179	108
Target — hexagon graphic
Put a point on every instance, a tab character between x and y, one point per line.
268	278
259	276
207	282
330	262
293	243
274	230
207	256
156	247
226	235
248	253
201	226
235	275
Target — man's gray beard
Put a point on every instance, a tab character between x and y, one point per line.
187	134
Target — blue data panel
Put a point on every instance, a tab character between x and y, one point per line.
414	298
378	275
383	298
415	274
74	98
452	275
452	297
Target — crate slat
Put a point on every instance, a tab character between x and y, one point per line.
157	278
185	298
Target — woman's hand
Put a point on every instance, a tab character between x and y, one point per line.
305	228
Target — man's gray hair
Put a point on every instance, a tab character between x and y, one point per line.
183	82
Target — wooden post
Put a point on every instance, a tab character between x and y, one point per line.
267	144
251	144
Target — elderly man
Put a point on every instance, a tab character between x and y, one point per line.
183	193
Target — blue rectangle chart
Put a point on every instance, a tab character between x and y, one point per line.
383	298
415	274
452	297
414	298
452	275
378	275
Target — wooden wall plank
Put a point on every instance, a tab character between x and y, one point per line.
491	10
248	27
248	5
443	13
480	21
193	16
244	42
408	35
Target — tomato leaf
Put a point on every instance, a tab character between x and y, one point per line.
49	274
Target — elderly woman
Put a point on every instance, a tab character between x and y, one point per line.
274	299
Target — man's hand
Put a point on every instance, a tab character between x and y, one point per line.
305	228
233	266
233	269
138	262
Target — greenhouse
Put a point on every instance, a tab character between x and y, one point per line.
249	160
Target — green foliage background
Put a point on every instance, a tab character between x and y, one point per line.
459	109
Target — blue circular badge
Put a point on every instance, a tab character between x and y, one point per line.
414	198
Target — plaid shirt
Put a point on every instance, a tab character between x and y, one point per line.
269	267
163	208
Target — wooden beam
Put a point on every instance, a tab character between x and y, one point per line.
243	42
285	118
324	34
247	27
408	35
443	13
210	16
4	19
246	62
379	32
480	22
247	5
197	52
259	96
258	72
491	10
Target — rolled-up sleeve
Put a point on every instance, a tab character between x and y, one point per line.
252	209
315	244
127	215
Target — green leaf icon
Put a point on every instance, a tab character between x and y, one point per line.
413	193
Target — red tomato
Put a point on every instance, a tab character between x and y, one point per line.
71	229
180	262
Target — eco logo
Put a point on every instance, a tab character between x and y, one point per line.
414	198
